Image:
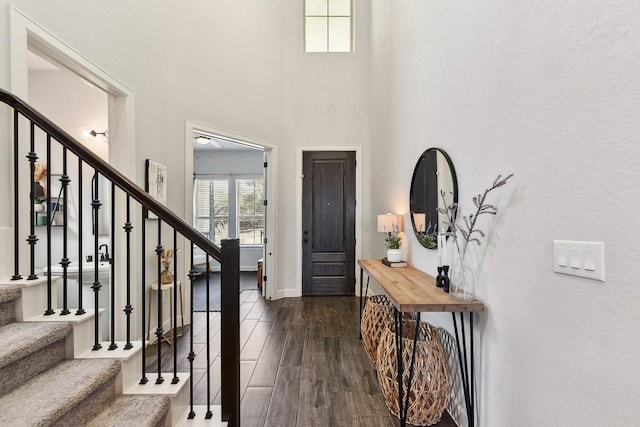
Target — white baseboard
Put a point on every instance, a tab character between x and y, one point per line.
216	269
286	293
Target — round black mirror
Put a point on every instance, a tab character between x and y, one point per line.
434	172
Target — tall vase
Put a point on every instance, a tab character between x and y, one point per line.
462	282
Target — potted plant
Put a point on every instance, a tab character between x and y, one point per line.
39	204
394	254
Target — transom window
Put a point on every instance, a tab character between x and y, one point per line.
328	26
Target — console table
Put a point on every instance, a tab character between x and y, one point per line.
413	291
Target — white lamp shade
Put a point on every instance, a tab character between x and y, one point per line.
419	221
388	223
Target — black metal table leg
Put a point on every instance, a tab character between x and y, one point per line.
472	390
399	362
466	362
403	398
360	325
362	298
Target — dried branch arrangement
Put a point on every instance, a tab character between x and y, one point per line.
39	171
468	226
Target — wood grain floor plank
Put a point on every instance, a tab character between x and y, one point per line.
293	348
283	411
313	408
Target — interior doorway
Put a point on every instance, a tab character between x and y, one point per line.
232	196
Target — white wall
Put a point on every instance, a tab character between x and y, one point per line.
72	104
236	66
228	162
549	91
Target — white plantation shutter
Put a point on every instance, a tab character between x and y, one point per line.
212	208
218	216
250	194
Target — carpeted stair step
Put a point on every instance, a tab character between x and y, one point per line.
139	411
8	295
28	349
68	394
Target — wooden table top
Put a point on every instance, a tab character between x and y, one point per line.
412	290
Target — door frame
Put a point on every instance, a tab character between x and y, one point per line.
271	155
297	292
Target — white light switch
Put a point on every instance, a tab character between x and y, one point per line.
582	259
562	258
575	258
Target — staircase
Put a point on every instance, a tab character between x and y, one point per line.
42	386
45	383
55	368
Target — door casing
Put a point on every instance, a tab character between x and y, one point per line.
271	157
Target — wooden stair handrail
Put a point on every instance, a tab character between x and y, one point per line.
108	171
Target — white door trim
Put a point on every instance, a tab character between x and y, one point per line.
271	151
297	292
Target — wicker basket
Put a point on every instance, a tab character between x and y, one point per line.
376	316
430	385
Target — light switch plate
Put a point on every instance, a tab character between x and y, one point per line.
582	259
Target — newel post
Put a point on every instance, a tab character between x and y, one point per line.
230	328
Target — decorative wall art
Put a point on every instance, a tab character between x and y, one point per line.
156	183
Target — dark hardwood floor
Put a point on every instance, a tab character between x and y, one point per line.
302	364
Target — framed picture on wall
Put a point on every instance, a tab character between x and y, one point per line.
155	184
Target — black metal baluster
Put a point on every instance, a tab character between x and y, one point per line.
112	262
49	311
230	331
80	311
128	308
209	414
64	262
143	280
32	239
16	200
192	354
95	204
175	379
159	330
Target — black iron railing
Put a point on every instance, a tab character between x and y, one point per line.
38	128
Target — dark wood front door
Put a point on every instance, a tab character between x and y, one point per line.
328	222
